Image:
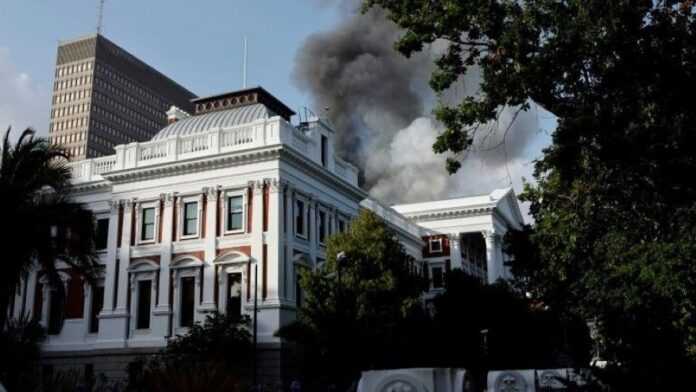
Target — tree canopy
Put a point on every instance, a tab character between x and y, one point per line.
353	313
614	200
368	309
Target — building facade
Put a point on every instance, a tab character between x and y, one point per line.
231	195
104	96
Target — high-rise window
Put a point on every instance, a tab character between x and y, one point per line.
235	213
191	218
144	295
148	224
188	289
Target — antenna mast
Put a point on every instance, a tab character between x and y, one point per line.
100	16
244	65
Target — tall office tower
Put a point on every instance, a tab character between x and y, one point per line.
104	96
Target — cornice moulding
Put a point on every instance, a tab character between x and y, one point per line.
445	214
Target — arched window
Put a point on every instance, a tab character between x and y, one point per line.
186	275
143	286
233	281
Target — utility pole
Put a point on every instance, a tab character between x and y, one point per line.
256	297
244	65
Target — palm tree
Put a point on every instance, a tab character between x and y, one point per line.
39	223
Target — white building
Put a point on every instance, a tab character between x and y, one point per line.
185	219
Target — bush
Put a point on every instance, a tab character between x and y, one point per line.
221	338
213	356
194	377
20	348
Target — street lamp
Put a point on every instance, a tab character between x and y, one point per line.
340	259
256	297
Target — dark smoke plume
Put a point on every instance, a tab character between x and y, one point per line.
361	83
380	106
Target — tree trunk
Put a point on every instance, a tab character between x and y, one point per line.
4	305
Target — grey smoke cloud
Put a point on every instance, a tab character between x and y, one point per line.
380	104
366	89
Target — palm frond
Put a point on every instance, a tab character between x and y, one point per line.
41	224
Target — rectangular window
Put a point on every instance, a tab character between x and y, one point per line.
188	289
148	225
97	303
298	291
56	313
191	218
341	226
235	213
437	277
102	233
435	245
321	226
300	228
143	314
324	150
234	295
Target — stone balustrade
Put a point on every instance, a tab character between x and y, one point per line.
258	134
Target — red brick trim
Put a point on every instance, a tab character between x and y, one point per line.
155	259
246	249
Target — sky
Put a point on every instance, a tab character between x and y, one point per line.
198	44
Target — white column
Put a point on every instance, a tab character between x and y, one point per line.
334	219
211	210
257	234
455	251
113	323
504	270
31	292
275	262
162	311
45	304
124	256
111	253
312	222
16	300
288	278
492	260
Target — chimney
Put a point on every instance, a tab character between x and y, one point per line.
175	114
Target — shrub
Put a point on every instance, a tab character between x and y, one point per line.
19	345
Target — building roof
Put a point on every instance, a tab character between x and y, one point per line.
223	118
243	97
503	200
